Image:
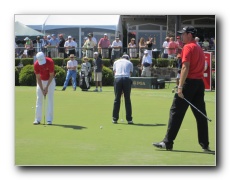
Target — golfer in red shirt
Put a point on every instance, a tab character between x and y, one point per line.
191	86
44	71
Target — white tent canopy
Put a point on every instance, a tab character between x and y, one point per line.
23	30
49	22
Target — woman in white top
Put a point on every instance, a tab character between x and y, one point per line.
132	49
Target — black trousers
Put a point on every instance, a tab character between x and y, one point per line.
193	91
122	84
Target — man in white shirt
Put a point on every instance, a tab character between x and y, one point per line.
72	72
123	69
146	65
116	50
70	46
165	46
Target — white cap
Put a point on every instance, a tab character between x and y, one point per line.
26	39
105	34
69	37
41	58
95	53
146	52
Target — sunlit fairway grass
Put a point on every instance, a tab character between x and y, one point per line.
76	139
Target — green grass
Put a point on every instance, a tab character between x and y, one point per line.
75	138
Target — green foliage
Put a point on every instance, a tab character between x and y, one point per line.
58	61
135	62
162	62
60	74
27	76
16	76
106	62
107	77
26	61
213	64
17	61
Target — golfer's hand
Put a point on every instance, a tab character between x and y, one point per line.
180	94
45	91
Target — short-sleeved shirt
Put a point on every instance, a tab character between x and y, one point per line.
45	69
115	43
146	59
194	54
122	68
165	44
104	43
97	63
72	63
54	42
172	47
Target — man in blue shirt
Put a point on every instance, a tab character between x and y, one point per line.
123	69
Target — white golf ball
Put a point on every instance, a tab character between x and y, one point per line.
101	127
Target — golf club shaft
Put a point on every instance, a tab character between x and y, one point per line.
122	106
197	109
44	109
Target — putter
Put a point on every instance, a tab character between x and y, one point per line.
122	105
194	107
44	110
197	109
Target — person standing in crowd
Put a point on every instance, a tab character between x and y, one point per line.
97	66
179	66
146	65
197	39
116	50
123	69
103	46
142	47
29	47
93	38
132	49
38	44
83	49
75	45
179	45
61	48
89	46
165	46
172	48
53	43
45	43
205	44
149	44
72	72
69	46
191	87
44	71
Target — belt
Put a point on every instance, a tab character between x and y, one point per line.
121	76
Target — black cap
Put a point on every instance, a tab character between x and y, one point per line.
188	29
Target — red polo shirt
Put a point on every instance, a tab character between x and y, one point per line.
193	54
45	69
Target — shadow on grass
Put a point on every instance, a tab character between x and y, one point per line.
197	152
70	126
140	124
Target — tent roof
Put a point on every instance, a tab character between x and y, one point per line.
23	30
48	22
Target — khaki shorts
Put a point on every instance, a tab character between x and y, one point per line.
97	76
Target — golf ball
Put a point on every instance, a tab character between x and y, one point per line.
101	127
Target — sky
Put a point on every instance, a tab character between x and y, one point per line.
179	7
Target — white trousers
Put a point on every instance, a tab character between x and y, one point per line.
146	72
48	101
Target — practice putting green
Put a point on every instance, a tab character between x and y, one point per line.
76	139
